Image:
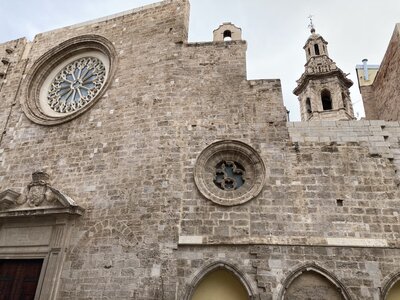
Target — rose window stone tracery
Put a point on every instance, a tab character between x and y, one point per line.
76	84
229	175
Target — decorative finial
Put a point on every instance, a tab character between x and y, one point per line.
311	25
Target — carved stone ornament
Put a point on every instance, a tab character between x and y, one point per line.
38	199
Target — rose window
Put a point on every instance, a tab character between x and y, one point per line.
229	175
76	85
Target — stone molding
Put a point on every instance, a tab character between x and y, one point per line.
37	74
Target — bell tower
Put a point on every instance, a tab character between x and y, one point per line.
323	88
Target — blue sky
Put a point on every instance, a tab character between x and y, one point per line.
275	30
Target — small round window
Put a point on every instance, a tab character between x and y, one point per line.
229	173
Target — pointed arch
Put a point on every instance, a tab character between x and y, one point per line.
197	277
391	283
108	229
313	268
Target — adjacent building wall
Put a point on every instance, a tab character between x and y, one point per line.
381	99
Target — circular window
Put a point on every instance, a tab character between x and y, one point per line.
229	173
74	83
68	80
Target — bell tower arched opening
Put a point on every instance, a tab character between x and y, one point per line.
316	49
227	35
326	99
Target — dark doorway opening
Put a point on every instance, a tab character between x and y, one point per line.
19	278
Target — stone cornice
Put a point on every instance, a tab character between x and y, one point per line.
306	77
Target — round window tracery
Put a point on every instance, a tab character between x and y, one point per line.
76	84
229	173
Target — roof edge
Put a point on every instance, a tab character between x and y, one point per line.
109	17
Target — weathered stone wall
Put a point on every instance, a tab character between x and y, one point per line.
11	70
330	197
386	85
320	164
329	184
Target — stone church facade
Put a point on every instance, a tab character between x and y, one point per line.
136	165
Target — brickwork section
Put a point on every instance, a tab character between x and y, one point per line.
381	138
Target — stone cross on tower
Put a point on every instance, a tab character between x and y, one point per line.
323	88
311	25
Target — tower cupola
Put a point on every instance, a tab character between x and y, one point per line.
315	45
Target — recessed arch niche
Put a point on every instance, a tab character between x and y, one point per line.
313	283
220	281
